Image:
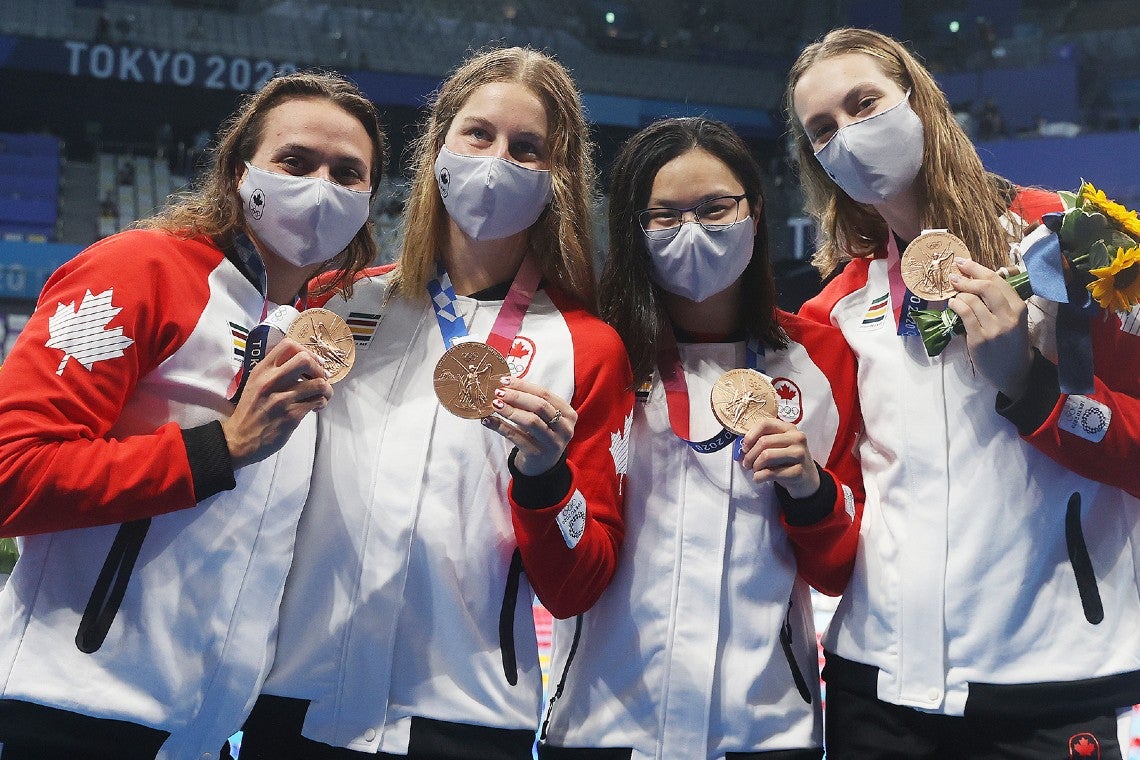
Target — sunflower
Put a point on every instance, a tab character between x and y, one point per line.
1117	286
1125	217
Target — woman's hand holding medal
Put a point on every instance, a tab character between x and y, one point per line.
285	386
538	422
997	326
777	451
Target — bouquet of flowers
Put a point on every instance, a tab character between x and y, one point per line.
1094	245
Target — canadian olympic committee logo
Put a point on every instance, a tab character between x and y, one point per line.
444	181
257	203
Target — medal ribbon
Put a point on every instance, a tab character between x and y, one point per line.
677	394
507	322
261	338
902	299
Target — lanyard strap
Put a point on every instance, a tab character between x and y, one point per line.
677	393
507	322
257	339
902	299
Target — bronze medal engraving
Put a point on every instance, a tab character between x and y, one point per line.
326	336
741	397
466	377
928	262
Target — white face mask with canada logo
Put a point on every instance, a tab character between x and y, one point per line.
488	197
304	220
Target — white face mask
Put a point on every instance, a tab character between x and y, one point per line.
488	197
875	159
304	220
696	263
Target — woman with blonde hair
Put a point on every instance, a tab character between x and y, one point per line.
994	610
407	627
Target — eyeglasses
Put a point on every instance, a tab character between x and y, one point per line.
662	222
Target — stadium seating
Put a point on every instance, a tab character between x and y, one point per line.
29	186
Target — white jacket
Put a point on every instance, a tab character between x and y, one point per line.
704	643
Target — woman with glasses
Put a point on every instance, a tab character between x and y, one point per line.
476	455
704	646
994	609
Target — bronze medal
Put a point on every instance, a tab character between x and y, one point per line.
741	397
466	378
326	336
928	262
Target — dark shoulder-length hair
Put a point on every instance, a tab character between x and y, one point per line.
630	299
213	207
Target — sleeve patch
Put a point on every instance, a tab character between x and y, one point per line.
82	333
1085	418
571	520
849	502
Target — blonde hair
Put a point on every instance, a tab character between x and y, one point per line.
955	192
213	207
562	238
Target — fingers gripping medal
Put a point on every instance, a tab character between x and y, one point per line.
740	398
326	336
928	262
466	377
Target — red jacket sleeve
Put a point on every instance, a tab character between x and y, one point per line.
818	308
825	548
1098	438
103	321
568	580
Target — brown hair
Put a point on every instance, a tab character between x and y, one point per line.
954	190
562	238
214	208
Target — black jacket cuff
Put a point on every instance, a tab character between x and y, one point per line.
543	490
810	509
1042	389
210	465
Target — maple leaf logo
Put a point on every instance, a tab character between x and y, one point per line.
619	449
520	355
789	400
82	333
1084	745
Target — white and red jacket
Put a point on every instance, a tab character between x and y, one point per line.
108	406
400	591
997	574
704	643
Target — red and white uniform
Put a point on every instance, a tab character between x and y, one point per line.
133	345
704	643
997	574
392	609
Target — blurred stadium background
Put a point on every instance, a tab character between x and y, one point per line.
107	106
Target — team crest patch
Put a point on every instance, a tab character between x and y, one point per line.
1085	418
520	356
240	335
789	400
82	333
363	326
571	520
1084	746
876	312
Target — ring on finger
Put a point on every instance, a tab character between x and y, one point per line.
554	420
